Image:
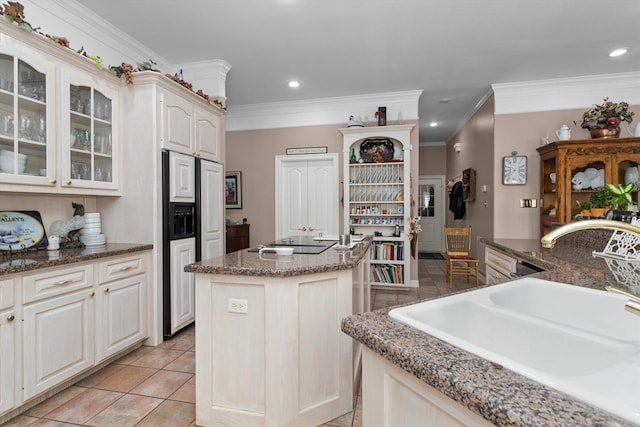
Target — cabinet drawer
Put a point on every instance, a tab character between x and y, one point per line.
56	282
500	261
493	277
121	267
6	293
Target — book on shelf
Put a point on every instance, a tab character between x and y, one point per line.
381	273
390	251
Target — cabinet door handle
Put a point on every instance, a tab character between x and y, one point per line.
68	182
125	268
106	290
53	181
303	228
10	318
311	228
91	294
63	282
196	154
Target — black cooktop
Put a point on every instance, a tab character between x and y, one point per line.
300	245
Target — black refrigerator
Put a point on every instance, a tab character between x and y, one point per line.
192	218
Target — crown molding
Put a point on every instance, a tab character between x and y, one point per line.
322	111
210	76
98	36
566	93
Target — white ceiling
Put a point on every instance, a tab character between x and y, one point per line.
448	48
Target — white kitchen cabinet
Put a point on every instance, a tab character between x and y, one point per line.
89	142
38	80
189	129
58	339
307	195
377	198
499	266
121	319
182	290
392	397
212	231
7	345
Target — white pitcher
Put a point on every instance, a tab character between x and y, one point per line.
563	132
633	132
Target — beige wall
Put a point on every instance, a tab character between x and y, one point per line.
477	152
433	160
523	133
253	153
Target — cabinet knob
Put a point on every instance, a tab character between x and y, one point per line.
68	182
311	228
303	228
196	154
91	294
10	318
106	290
53	181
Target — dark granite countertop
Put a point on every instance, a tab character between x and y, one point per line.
245	263
36	260
501	396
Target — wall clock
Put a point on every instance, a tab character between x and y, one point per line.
514	169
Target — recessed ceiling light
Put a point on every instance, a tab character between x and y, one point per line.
618	52
433	124
294	84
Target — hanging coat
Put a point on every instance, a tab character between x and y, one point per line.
456	201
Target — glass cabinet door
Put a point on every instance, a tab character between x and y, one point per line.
90	137
24	142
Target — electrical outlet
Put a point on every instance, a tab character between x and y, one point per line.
238	305
528	203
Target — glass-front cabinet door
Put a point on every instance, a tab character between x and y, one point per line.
27	148
89	133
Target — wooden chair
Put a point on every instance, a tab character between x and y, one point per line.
459	259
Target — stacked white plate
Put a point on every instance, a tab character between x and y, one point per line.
91	233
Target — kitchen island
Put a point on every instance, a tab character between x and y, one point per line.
478	391
269	348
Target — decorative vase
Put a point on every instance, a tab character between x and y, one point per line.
600	133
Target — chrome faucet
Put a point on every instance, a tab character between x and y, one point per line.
549	239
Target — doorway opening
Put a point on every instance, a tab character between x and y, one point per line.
431	209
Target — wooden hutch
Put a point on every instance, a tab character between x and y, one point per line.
565	159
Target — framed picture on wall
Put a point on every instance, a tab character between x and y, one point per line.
469	185
233	190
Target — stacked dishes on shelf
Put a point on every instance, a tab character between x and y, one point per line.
91	233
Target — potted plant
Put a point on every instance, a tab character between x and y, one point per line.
585	208
603	121
621	195
600	201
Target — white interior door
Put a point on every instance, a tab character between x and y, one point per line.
431	208
306	195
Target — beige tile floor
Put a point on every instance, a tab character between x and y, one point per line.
155	386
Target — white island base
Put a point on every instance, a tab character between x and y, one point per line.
285	361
